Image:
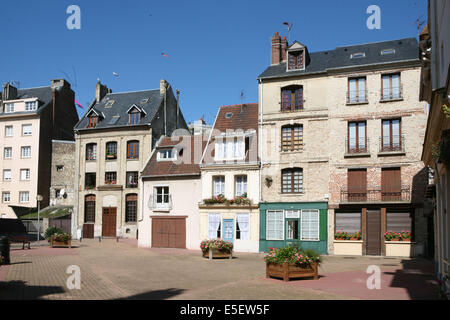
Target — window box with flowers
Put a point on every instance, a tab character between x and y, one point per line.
217	248
348	244
61	240
221	200
398	244
292	263
107	182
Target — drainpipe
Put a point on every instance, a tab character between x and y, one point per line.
260	139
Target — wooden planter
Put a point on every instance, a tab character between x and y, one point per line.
288	272
215	253
54	243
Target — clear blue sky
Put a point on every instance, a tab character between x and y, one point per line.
216	49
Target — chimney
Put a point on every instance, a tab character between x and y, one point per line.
276	49
59	83
163	86
284	46
101	91
9	92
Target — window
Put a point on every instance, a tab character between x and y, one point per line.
357	90
391	88
214	226
8	131
90	180
292	180
133	150
348	222
111	178
292	229
25	174
6	196
292	98
91	151
292	138
30	106
391	135
25	152
109	103
59	168
7	153
296	60
89	209
230	148
162	199
241	186
57	193
387	51
9	107
93	120
7	175
357	141
310	225
132	179
135	117
26	130
218	186
111	150
166	155
275	225
131	208
24	196
242	226
357	55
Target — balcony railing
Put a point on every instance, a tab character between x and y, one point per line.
375	194
357	96
392	143
392	93
352	147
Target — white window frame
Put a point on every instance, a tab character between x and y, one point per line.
161	205
11	133
4	175
163	155
230	148
33	105
217	217
267	225
247	232
4	194
9	107
29	132
221	184
7	152
22	194
243	183
318	224
22	152
27	174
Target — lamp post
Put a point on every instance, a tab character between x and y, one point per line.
39	199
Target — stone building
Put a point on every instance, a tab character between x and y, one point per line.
114	140
341	134
30	119
63	173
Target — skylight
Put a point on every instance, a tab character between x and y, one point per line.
358	55
114	120
229	115
109	103
144	101
388	51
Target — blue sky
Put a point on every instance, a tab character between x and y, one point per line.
216	49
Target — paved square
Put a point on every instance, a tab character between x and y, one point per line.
111	270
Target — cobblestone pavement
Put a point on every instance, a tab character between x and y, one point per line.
111	270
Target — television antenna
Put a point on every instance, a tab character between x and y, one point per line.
419	23
289	27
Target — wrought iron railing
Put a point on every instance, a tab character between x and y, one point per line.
392	93
375	193
392	143
357	96
354	146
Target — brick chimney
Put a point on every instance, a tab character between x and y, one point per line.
9	92
275	49
101	91
284	46
59	83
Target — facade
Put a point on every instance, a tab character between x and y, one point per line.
230	179
341	134
171	189
114	140
435	53
29	120
63	172
200	127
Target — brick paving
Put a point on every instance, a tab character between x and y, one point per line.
111	270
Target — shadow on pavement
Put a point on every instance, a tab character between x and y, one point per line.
19	290
156	295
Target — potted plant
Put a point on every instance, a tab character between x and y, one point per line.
217	248
292	262
61	240
52	231
110	156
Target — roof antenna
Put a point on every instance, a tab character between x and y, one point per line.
242	98
289	27
419	23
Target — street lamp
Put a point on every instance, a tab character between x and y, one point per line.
39	199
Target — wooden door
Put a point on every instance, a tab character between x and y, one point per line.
88	230
169	233
391	189
357	185
373	229
109	222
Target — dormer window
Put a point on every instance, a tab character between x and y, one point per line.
30	106
292	98
165	155
231	148
296	60
93	120
135	114
9	107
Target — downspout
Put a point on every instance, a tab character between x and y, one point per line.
77	186
260	139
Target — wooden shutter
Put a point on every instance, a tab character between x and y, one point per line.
357	185
391	184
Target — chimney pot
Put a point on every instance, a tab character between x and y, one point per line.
163	86
101	91
276	49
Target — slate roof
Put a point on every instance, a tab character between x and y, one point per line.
122	103
196	144
405	49
43	94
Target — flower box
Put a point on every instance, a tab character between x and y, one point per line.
398	248
288	271
216	253
348	247
56	243
217	248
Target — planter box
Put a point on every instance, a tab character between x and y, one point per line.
287	271
399	248
215	253
54	243
348	247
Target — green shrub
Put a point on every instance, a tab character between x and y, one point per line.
294	255
52	231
